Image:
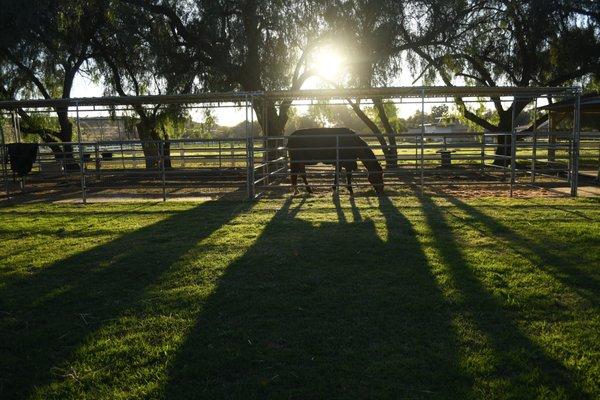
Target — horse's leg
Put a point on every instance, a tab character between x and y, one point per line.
294	176
349	180
303	175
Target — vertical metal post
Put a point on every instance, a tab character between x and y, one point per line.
575	145
337	163
482	152
550	124
121	142
570	156
220	162
416	153
134	152
513	147
81	160
249	167
13	115
266	135
20	136
551	152
598	174
422	139
534	145
18	128
97	159
162	169
252	146
182	153
17	140
122	156
4	167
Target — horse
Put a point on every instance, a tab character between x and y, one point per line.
318	145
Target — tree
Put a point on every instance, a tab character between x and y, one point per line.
440	111
516	43
252	45
136	54
379	33
44	45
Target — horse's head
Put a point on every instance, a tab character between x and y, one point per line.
376	179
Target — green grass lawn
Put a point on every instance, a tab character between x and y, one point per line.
433	297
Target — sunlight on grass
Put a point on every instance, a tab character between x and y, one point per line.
404	297
155	327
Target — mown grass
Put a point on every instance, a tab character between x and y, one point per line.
432	297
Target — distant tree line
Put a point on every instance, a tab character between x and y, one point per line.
137	47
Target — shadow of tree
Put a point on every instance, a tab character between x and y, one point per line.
323	309
520	367
48	315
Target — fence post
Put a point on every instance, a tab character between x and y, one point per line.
249	156
97	158
575	145
252	146
182	152
422	139
220	162
134	152
162	169
598	174
513	147
483	152
81	157
534	145
18	136
266	149
17	132
4	167
337	163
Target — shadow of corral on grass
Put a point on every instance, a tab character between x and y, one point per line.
47	316
546	252
301	298
321	309
518	367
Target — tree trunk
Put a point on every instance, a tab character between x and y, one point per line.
272	125
150	142
167	153
503	152
66	135
552	140
390	152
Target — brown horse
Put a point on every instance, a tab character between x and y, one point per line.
318	145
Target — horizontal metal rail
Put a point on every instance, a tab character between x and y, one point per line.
315	94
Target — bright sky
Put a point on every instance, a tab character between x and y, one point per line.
327	61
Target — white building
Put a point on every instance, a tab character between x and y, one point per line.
453	132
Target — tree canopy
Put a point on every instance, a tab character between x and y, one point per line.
44	45
136	47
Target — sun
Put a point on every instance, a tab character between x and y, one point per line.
328	63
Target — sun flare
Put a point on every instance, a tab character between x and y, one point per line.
328	63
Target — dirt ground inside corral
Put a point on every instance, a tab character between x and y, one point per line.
463	184
73	194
